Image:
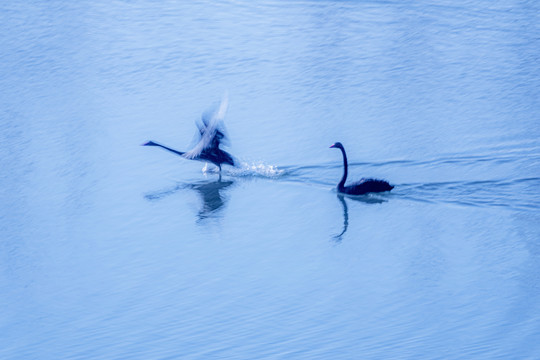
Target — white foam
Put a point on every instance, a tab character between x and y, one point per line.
256	168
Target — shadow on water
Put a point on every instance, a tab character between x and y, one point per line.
210	192
366	199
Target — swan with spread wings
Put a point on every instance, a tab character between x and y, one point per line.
211	135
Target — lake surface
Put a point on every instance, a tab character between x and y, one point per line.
111	250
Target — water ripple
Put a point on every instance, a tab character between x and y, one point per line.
507	192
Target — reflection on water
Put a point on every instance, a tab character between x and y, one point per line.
367	199
337	238
210	192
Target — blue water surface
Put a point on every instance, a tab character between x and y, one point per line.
111	250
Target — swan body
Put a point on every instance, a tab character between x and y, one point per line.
211	135
363	186
214	154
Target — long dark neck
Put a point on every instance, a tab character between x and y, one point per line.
151	143
341	184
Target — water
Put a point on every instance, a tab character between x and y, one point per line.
110	250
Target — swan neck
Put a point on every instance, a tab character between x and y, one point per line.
341	184
169	149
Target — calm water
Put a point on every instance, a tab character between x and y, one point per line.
110	250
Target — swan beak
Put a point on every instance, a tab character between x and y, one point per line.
334	145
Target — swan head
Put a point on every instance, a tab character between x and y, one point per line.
337	145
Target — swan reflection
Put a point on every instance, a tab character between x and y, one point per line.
211	194
337	238
367	199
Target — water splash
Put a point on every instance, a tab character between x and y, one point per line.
247	169
256	169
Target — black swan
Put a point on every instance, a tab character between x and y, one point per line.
363	186
212	134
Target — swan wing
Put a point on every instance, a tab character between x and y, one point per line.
209	129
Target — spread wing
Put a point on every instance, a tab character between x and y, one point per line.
211	129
